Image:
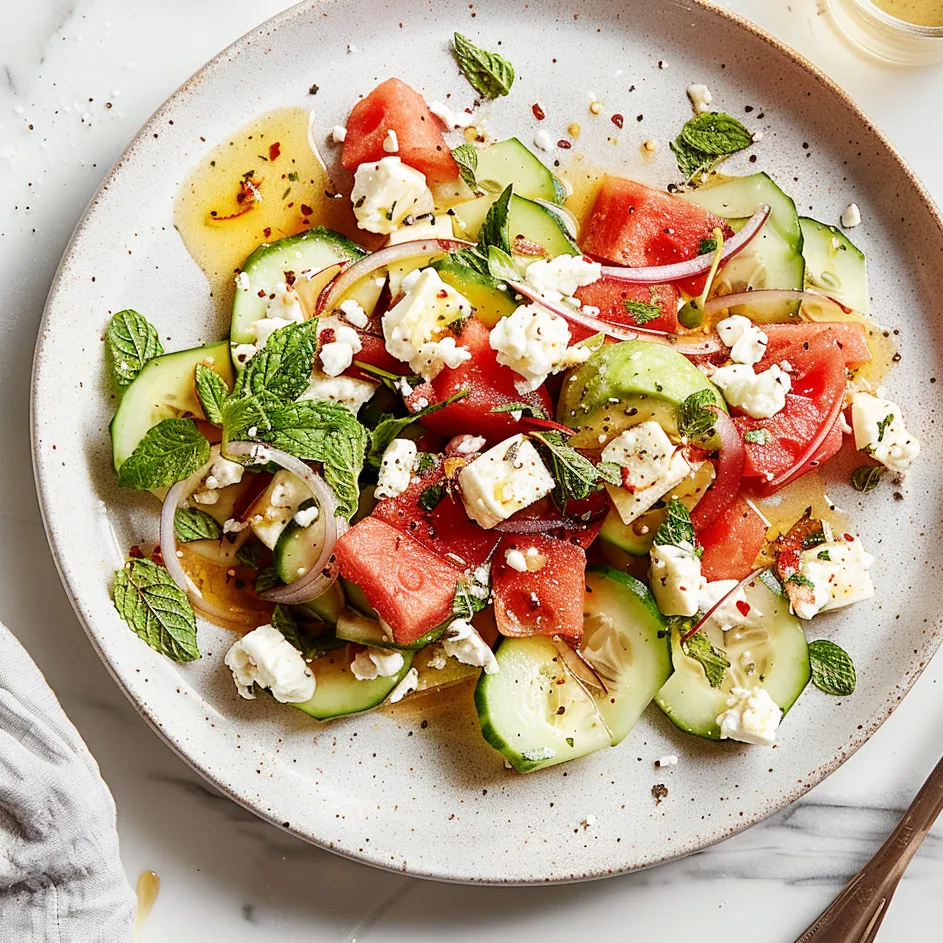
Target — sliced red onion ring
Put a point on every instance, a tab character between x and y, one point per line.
726	484
339	286
322	574
710	612
709	345
656	274
768	296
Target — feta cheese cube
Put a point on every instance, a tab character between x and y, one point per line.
746	341
831	575
558	279
464	644
386	192
409	684
880	431
339	134
505	479
533	343
353	312
307	517
376	663
417	328
733	612
651	465
751	717
266	658
347	391
701	98
760	395
675	577
396	468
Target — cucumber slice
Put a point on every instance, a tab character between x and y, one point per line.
509	162
328	606
533	711
268	520
636	538
164	390
534	222
313	250
364	630
777	648
490	303
835	265
298	548
357	600
774	258
435	679
625	639
338	692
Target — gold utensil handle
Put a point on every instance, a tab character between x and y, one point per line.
856	914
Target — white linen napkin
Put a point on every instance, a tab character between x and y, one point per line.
61	880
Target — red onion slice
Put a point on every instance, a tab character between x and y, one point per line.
709	345
768	296
543	525
322	574
343	282
656	274
710	612
726	484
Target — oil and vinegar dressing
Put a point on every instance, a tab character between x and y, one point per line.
920	12
148	887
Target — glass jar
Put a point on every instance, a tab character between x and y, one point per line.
886	36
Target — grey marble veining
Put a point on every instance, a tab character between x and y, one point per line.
76	81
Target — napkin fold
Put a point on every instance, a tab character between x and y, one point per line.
61	879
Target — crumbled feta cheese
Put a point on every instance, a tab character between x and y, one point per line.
353	313
429	227
880	431
733	612
465	444
746	341
307	516
464	644
438	659
348	391
831	575
533	343
417	328
223	473
409	684
386	192
751	717
391	142
233	526
451	119
516	560
701	98
535	559
339	134
558	279
756	137
651	465
396	468
285	305
265	657
265	328
337	354
375	663
543	140
242	282
851	216
508	477
670	760
759	395
675	577
243	353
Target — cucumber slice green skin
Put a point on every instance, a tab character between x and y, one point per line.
164	389
356	627
490	303
298	548
834	264
779	650
328	606
338	693
314	249
510	162
625	637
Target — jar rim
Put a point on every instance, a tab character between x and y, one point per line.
893	22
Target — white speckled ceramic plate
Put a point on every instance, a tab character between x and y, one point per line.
431	799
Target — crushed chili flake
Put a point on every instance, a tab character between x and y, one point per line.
659	792
157	557
539	113
849	537
327	336
136	553
306	210
267	231
564	144
617	120
743	607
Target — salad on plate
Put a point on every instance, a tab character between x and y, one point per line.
572	453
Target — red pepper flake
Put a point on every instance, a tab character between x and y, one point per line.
327	336
306	210
618	120
274	150
564	144
848	537
157	557
267	231
539	113
743	607
136	553
626	483
441	293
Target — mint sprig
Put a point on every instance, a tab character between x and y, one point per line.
714	662
466	156
695	418
169	452
488	73
130	341
676	530
211	391
193	524
389	427
833	671
706	140
576	476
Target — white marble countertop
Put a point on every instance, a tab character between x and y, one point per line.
224	873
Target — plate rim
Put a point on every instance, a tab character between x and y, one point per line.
922	658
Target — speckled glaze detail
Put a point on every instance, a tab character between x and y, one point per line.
385	788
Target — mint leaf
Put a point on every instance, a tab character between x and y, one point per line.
575	474
488	73
248	554
691	163
833	671
676	530
243	418
707	245
538	412
430	497
495	230
716	134
501	266
757	436
194	524
714	662
799	580
695	420
267	579
325	432
279	373
389	427
641	311
883	424
426	461
169	452
866	478
472	258
284	621
212	393
472	593
466	156
130	341
156	609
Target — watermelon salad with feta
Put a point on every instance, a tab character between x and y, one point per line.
502	449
